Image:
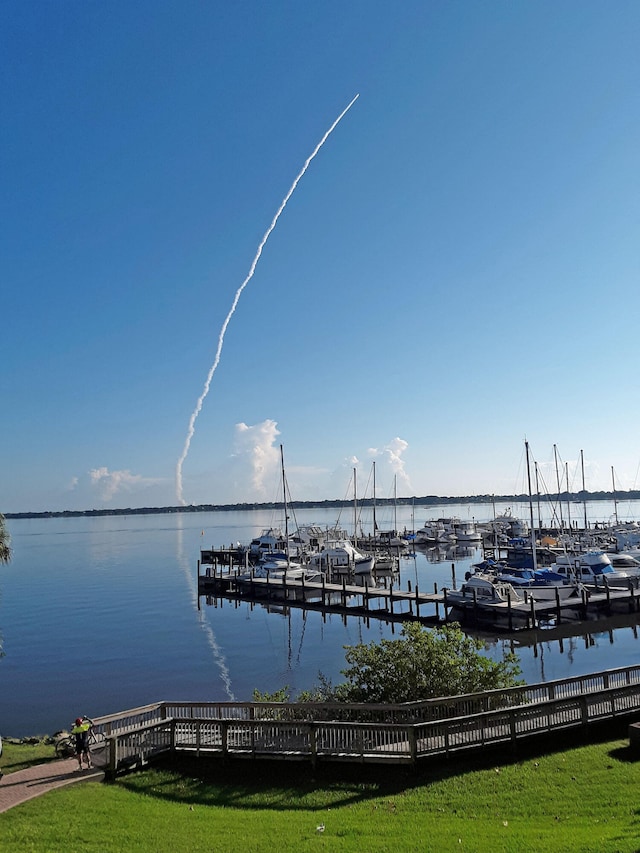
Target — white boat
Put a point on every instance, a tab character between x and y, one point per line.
509	526
486	589
466	531
309	538
273	561
274	552
448	531
595	567
625	560
342	557
271	539
278	570
541	584
437	532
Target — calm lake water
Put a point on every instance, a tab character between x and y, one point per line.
101	614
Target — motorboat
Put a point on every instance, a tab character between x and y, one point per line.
625	560
543	584
466	531
271	539
340	557
507	526
594	568
487	589
439	532
309	538
280	569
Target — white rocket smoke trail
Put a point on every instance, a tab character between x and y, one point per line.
205	391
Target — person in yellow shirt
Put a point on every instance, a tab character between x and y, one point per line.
81	733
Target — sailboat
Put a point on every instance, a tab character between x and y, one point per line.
341	556
277	564
544	584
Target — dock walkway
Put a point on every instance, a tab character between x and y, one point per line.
390	603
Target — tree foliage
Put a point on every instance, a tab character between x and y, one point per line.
422	664
281	695
5	539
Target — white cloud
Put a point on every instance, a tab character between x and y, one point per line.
255	451
108	484
391	454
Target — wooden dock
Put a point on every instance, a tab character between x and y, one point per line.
384	602
390	603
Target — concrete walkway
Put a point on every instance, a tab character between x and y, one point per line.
23	785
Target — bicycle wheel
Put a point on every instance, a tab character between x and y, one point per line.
97	740
66	747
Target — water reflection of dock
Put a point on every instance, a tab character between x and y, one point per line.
585	629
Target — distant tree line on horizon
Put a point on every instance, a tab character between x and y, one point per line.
426	500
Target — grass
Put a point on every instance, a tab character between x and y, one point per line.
19	756
583	798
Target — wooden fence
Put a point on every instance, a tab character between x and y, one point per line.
367	733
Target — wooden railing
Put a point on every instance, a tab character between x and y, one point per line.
374	733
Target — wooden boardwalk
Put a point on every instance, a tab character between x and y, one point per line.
403	733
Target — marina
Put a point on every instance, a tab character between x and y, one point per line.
137	631
384	601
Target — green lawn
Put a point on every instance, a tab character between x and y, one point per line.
18	756
585	798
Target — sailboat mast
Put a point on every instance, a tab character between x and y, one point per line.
566	468
375	526
533	529
584	493
355	506
535	468
286	514
395	504
615	502
555	456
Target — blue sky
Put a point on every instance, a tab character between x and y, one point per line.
456	271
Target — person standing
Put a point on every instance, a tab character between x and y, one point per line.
81	734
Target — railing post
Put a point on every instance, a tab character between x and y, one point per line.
413	744
313	744
512	727
224	732
113	756
584	712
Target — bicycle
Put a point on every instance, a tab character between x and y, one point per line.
66	746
